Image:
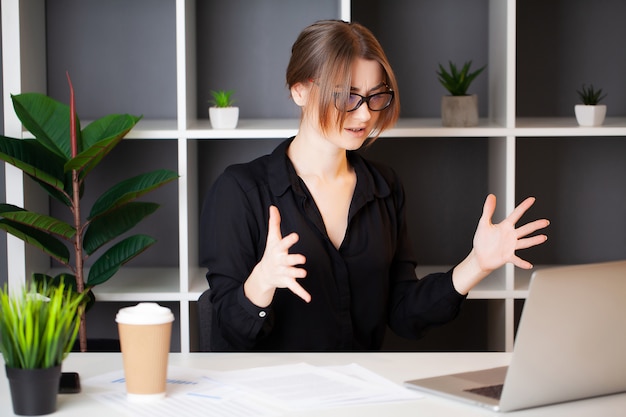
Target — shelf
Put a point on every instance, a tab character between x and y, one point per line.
139	284
522	281
492	287
431	127
523	278
284	128
567	126
246	129
153	129
144	129
197	283
410	127
148	284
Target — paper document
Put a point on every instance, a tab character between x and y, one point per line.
266	391
303	386
189	393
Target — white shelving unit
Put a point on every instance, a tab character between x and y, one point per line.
24	63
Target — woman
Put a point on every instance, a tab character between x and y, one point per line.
307	248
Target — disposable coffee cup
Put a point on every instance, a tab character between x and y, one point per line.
145	331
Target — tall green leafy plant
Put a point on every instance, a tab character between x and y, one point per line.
59	158
38	326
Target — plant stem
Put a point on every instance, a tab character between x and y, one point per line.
78	250
78	246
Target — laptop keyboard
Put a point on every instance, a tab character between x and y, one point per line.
492	391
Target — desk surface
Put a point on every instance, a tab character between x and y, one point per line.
396	367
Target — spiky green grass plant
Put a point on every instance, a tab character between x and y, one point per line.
457	81
590	96
222	98
38	326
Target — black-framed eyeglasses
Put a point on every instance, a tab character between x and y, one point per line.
375	102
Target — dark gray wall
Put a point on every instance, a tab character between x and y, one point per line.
579	182
120	54
245	45
579	185
418	35
562	45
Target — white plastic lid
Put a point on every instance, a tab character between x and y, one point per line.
144	313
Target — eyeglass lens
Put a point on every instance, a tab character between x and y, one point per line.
375	102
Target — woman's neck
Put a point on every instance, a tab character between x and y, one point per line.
315	156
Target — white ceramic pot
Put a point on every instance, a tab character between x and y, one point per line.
224	117
459	111
590	115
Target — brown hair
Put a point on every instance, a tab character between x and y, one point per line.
324	53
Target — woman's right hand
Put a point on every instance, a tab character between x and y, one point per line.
277	268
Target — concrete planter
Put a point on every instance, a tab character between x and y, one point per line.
459	111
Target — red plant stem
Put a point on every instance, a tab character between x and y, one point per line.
73	141
78	247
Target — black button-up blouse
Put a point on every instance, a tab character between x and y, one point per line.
358	290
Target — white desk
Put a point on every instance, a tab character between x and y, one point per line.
397	367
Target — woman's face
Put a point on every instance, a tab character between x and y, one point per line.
367	79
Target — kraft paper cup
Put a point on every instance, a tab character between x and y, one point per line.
145	331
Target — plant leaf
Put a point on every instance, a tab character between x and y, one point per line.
35	160
108	127
111	261
66	279
39	323
99	138
455	81
131	189
112	224
60	196
590	96
48	120
38	221
35	237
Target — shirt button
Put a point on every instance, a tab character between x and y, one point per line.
262	314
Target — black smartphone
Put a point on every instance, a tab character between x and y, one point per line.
70	383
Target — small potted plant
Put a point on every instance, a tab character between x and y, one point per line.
38	326
590	113
222	113
458	109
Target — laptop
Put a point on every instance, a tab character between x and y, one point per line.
570	344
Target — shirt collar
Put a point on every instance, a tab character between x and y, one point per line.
281	172
282	175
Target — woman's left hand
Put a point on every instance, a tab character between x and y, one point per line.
495	244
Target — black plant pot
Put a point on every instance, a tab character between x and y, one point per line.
34	391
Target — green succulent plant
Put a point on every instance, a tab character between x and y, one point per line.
455	81
590	96
222	98
38	325
59	159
